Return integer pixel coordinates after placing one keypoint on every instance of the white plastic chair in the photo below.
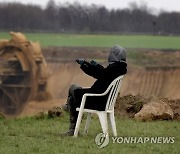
(108, 113)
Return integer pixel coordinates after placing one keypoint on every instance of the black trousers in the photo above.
(73, 104)
(74, 100)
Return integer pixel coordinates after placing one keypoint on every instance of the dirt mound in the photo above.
(175, 105)
(36, 107)
(127, 106)
(155, 110)
(54, 112)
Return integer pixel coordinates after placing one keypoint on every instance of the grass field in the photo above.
(43, 135)
(128, 41)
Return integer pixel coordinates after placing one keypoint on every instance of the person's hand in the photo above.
(80, 61)
(93, 62)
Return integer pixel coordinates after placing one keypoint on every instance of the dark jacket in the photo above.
(104, 77)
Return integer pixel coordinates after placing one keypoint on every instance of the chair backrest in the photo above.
(113, 89)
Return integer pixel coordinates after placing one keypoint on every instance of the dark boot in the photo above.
(71, 105)
(73, 117)
(71, 130)
(72, 126)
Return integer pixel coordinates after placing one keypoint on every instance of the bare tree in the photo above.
(138, 18)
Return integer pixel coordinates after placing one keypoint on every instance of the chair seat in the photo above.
(93, 111)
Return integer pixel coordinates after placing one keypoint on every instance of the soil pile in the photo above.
(127, 106)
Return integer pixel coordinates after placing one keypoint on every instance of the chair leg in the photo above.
(103, 120)
(112, 123)
(88, 120)
(78, 122)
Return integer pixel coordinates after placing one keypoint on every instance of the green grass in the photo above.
(128, 41)
(43, 135)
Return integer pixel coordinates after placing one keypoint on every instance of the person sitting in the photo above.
(117, 66)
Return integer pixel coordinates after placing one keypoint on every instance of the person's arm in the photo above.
(110, 71)
(94, 71)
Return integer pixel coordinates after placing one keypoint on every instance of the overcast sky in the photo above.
(167, 5)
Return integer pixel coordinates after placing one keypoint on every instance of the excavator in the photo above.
(23, 73)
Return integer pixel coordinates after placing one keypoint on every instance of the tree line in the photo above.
(87, 19)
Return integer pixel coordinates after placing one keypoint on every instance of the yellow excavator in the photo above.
(23, 73)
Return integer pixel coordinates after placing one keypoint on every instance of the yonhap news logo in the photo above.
(103, 140)
(143, 140)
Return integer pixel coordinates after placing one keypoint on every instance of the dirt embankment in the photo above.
(149, 72)
(153, 82)
(162, 83)
(159, 76)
